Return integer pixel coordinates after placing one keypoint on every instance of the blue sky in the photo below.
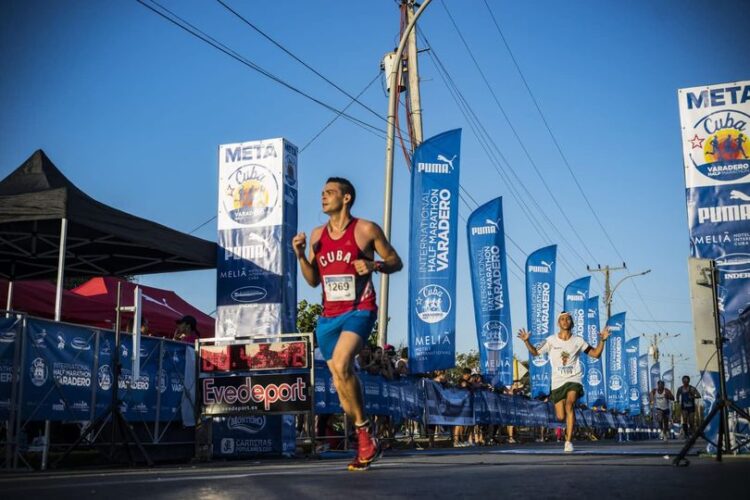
(132, 110)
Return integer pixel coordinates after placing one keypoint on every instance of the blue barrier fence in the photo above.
(428, 401)
(66, 373)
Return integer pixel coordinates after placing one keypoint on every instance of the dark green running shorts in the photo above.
(561, 392)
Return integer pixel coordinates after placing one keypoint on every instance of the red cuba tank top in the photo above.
(343, 289)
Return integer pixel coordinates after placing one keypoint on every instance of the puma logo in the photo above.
(446, 160)
(738, 195)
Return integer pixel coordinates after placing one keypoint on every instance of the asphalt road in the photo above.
(601, 470)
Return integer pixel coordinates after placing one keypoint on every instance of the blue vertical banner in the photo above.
(576, 297)
(594, 385)
(654, 374)
(489, 284)
(616, 370)
(643, 383)
(432, 253)
(540, 313)
(716, 152)
(632, 352)
(256, 287)
(668, 378)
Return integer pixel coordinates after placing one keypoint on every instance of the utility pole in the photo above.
(392, 78)
(672, 358)
(654, 340)
(412, 72)
(606, 270)
(610, 292)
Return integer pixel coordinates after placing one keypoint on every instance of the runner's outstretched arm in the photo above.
(596, 352)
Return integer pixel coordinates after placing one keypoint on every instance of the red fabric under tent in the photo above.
(93, 303)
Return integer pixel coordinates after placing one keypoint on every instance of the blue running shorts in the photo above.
(329, 329)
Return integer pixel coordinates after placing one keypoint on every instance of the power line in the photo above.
(313, 139)
(201, 35)
(513, 129)
(293, 56)
(559, 150)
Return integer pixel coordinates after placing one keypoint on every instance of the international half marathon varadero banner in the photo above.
(655, 374)
(632, 348)
(643, 383)
(617, 387)
(668, 378)
(576, 296)
(489, 282)
(540, 313)
(715, 120)
(256, 289)
(594, 385)
(432, 253)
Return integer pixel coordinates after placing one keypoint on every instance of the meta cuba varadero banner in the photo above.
(632, 351)
(643, 384)
(489, 283)
(594, 386)
(432, 253)
(715, 120)
(256, 288)
(617, 386)
(540, 313)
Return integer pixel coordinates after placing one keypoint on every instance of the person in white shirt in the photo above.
(564, 350)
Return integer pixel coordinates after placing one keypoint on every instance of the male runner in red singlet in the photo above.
(342, 259)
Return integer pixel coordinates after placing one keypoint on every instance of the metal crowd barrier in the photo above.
(56, 372)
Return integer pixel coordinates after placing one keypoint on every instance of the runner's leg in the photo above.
(344, 378)
(570, 415)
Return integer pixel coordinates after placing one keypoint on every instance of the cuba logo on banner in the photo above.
(616, 373)
(595, 387)
(632, 348)
(489, 283)
(540, 317)
(432, 252)
(252, 191)
(716, 138)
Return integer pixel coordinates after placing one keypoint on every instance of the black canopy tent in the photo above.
(49, 227)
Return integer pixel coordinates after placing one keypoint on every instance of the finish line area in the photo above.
(441, 473)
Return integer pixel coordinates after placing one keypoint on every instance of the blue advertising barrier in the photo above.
(428, 401)
(253, 435)
(66, 373)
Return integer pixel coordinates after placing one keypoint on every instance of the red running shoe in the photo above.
(368, 449)
(356, 465)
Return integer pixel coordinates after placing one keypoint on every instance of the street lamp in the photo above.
(609, 293)
(389, 142)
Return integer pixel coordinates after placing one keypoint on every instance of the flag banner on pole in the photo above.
(716, 151)
(632, 348)
(256, 287)
(576, 297)
(540, 313)
(616, 371)
(643, 380)
(668, 378)
(593, 383)
(655, 374)
(489, 283)
(432, 253)
(575, 301)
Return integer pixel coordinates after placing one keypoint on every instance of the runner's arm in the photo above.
(309, 268)
(525, 336)
(391, 262)
(596, 352)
